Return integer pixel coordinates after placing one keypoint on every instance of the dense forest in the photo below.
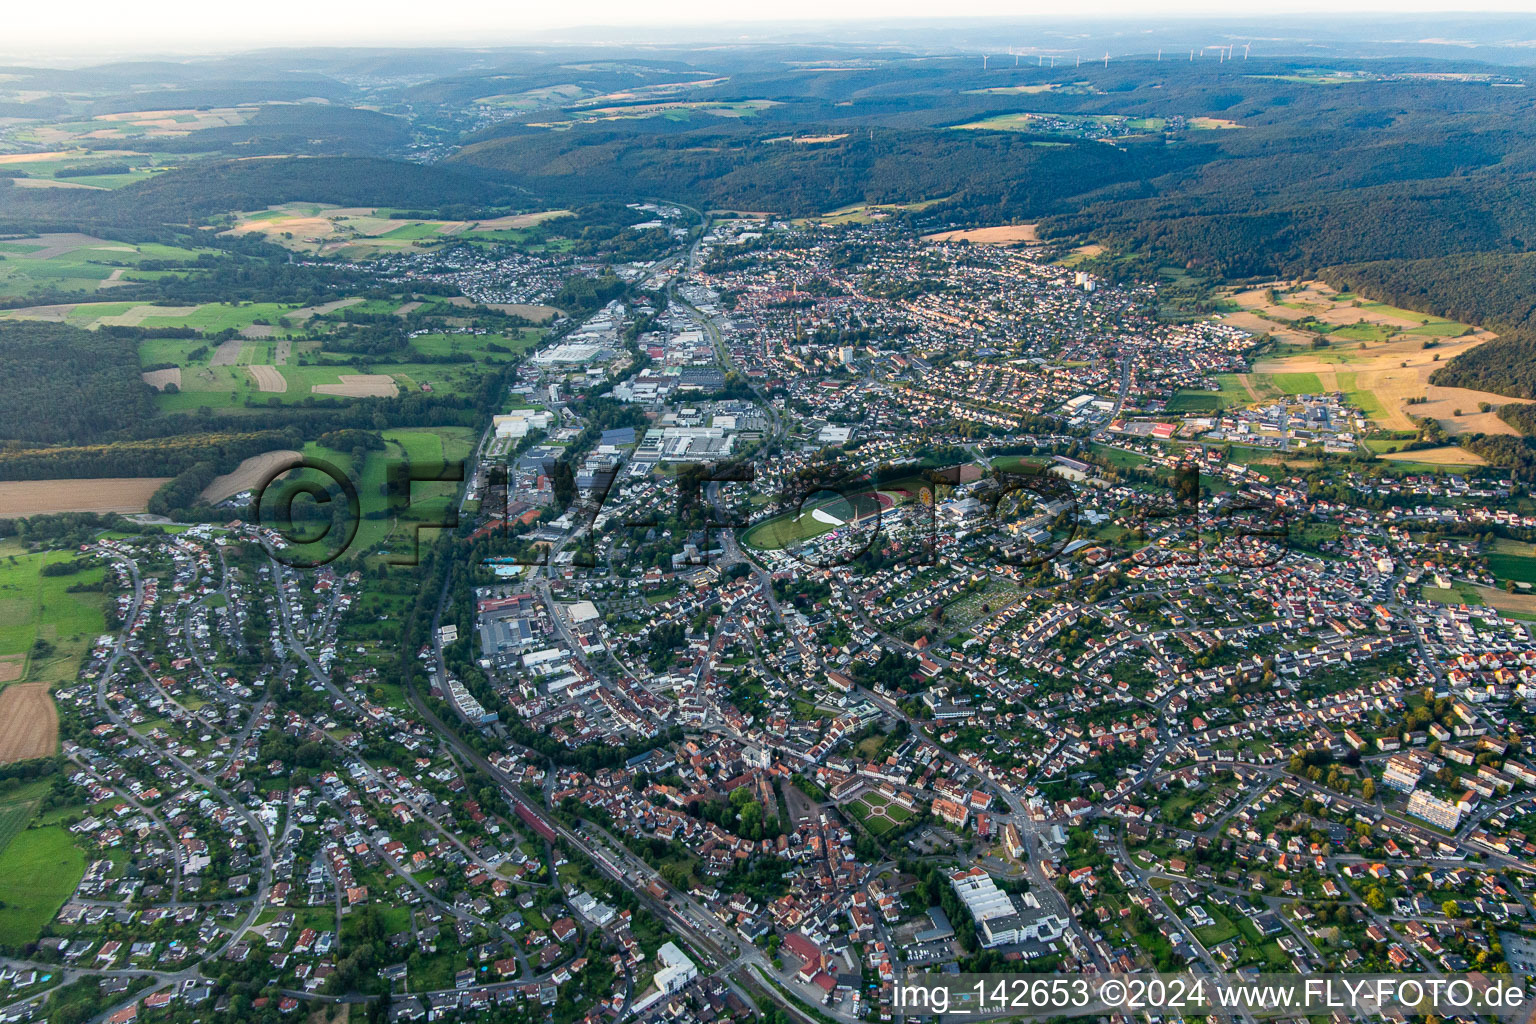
(66, 384)
(739, 167)
(199, 191)
(1493, 290)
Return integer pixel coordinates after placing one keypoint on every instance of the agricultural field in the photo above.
(1513, 560)
(1446, 455)
(676, 110)
(285, 366)
(44, 628)
(29, 723)
(38, 871)
(868, 213)
(1007, 234)
(1378, 356)
(84, 168)
(133, 128)
(361, 232)
(1067, 124)
(1092, 125)
(109, 494)
(75, 262)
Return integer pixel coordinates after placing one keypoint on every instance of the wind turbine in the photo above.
(1106, 58)
(1245, 50)
(983, 62)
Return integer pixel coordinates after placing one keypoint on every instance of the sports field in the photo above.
(817, 516)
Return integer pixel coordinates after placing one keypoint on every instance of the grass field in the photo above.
(35, 607)
(14, 816)
(79, 263)
(877, 814)
(38, 871)
(1297, 383)
(1195, 402)
(1513, 560)
(378, 531)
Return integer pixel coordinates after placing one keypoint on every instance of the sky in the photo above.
(83, 27)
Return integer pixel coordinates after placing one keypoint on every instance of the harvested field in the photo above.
(1380, 365)
(1256, 324)
(360, 385)
(247, 475)
(255, 331)
(268, 378)
(1449, 455)
(284, 350)
(330, 307)
(1003, 235)
(12, 666)
(136, 316)
(538, 314)
(29, 723)
(65, 242)
(101, 494)
(519, 220)
(1506, 602)
(158, 379)
(54, 314)
(32, 158)
(227, 354)
(408, 308)
(53, 183)
(1396, 371)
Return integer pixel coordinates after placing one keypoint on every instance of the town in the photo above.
(831, 603)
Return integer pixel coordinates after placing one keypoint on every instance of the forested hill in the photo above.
(1494, 290)
(66, 384)
(990, 173)
(200, 191)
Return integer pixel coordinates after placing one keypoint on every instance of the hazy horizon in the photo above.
(181, 28)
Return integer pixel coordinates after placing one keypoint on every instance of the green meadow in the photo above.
(39, 869)
(86, 265)
(34, 608)
(425, 448)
